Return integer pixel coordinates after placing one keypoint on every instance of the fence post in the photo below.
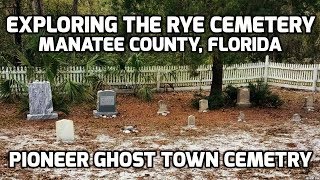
(7, 73)
(266, 66)
(158, 80)
(315, 78)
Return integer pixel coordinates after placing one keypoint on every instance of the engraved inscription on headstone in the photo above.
(40, 101)
(106, 104)
(106, 100)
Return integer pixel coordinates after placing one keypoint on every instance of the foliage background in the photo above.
(296, 48)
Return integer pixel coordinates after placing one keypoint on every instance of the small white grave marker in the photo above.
(203, 105)
(309, 103)
(191, 121)
(65, 130)
(296, 118)
(241, 117)
(163, 109)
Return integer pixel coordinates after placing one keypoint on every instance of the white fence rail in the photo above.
(295, 76)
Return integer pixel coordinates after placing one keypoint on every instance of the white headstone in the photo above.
(309, 103)
(65, 130)
(163, 109)
(203, 105)
(296, 118)
(191, 121)
(241, 117)
(40, 101)
(243, 98)
(106, 104)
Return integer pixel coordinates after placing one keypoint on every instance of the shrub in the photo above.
(11, 90)
(230, 95)
(196, 98)
(216, 101)
(261, 96)
(145, 93)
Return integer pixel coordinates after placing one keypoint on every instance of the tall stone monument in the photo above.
(40, 101)
(106, 104)
(243, 98)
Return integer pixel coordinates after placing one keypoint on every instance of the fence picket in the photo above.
(297, 76)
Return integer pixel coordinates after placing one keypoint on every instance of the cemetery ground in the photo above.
(264, 129)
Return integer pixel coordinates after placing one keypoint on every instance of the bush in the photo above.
(216, 101)
(145, 93)
(196, 98)
(261, 96)
(230, 95)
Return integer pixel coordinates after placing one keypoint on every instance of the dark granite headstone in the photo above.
(106, 104)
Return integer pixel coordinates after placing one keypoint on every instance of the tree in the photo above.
(40, 7)
(75, 7)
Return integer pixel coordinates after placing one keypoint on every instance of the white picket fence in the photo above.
(295, 76)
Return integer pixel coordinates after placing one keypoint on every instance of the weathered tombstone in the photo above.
(40, 101)
(203, 105)
(296, 118)
(106, 104)
(163, 109)
(191, 121)
(241, 117)
(243, 98)
(309, 103)
(65, 130)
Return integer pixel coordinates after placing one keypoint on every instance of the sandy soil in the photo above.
(264, 129)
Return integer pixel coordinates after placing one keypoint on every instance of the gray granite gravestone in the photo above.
(40, 101)
(106, 104)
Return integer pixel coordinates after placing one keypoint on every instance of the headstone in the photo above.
(65, 130)
(296, 118)
(191, 121)
(203, 105)
(241, 117)
(243, 98)
(106, 104)
(40, 101)
(163, 109)
(309, 103)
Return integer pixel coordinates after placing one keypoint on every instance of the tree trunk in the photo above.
(217, 75)
(17, 36)
(40, 7)
(75, 7)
